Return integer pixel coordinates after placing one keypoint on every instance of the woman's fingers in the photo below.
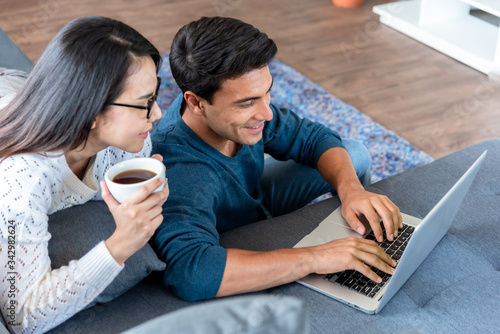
(110, 201)
(157, 157)
(143, 193)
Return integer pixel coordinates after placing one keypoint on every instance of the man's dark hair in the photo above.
(208, 51)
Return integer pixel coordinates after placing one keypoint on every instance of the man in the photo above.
(214, 137)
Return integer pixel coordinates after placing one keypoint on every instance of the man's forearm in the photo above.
(336, 167)
(248, 271)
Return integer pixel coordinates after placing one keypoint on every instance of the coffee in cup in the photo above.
(127, 177)
(133, 176)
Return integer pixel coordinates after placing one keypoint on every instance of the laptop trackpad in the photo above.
(332, 228)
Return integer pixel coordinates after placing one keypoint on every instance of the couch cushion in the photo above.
(73, 237)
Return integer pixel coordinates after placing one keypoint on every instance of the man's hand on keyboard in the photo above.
(359, 202)
(352, 253)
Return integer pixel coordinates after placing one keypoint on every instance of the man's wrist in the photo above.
(307, 261)
(348, 187)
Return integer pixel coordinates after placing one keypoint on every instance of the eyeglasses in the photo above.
(151, 101)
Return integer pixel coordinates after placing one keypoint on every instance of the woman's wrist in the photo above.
(116, 250)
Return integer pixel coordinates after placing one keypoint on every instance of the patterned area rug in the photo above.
(391, 154)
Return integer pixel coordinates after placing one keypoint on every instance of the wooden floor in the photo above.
(435, 102)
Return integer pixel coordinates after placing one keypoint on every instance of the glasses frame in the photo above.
(151, 101)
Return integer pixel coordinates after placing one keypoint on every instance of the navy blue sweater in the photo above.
(212, 193)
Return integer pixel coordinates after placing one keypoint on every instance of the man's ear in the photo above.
(195, 103)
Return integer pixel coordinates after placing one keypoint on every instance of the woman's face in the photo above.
(126, 127)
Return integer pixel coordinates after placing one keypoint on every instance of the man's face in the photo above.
(240, 108)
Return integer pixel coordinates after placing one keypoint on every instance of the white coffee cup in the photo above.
(122, 191)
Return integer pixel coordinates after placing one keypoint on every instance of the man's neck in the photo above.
(224, 146)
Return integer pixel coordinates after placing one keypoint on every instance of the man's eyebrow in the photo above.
(246, 99)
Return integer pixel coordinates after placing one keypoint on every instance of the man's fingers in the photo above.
(391, 217)
(379, 259)
(354, 222)
(370, 254)
(371, 248)
(374, 220)
(368, 272)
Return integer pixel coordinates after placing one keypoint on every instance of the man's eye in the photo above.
(247, 105)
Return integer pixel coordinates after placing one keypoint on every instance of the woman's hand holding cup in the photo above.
(140, 214)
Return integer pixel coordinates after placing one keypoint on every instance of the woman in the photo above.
(89, 102)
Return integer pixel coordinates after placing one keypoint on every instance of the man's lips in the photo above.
(255, 128)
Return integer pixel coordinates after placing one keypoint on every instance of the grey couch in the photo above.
(453, 291)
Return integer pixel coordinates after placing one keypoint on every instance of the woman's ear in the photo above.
(195, 103)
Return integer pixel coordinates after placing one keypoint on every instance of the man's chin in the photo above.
(251, 141)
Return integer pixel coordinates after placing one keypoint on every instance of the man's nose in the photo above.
(265, 112)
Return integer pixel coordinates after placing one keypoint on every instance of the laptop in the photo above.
(417, 239)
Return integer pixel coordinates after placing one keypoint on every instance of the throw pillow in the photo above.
(248, 314)
(78, 229)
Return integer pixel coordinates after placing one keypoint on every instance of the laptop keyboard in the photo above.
(356, 281)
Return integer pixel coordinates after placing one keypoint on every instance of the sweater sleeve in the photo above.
(33, 297)
(288, 136)
(188, 240)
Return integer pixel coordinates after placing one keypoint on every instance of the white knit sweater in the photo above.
(32, 187)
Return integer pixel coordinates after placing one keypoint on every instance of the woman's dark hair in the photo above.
(206, 52)
(81, 71)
